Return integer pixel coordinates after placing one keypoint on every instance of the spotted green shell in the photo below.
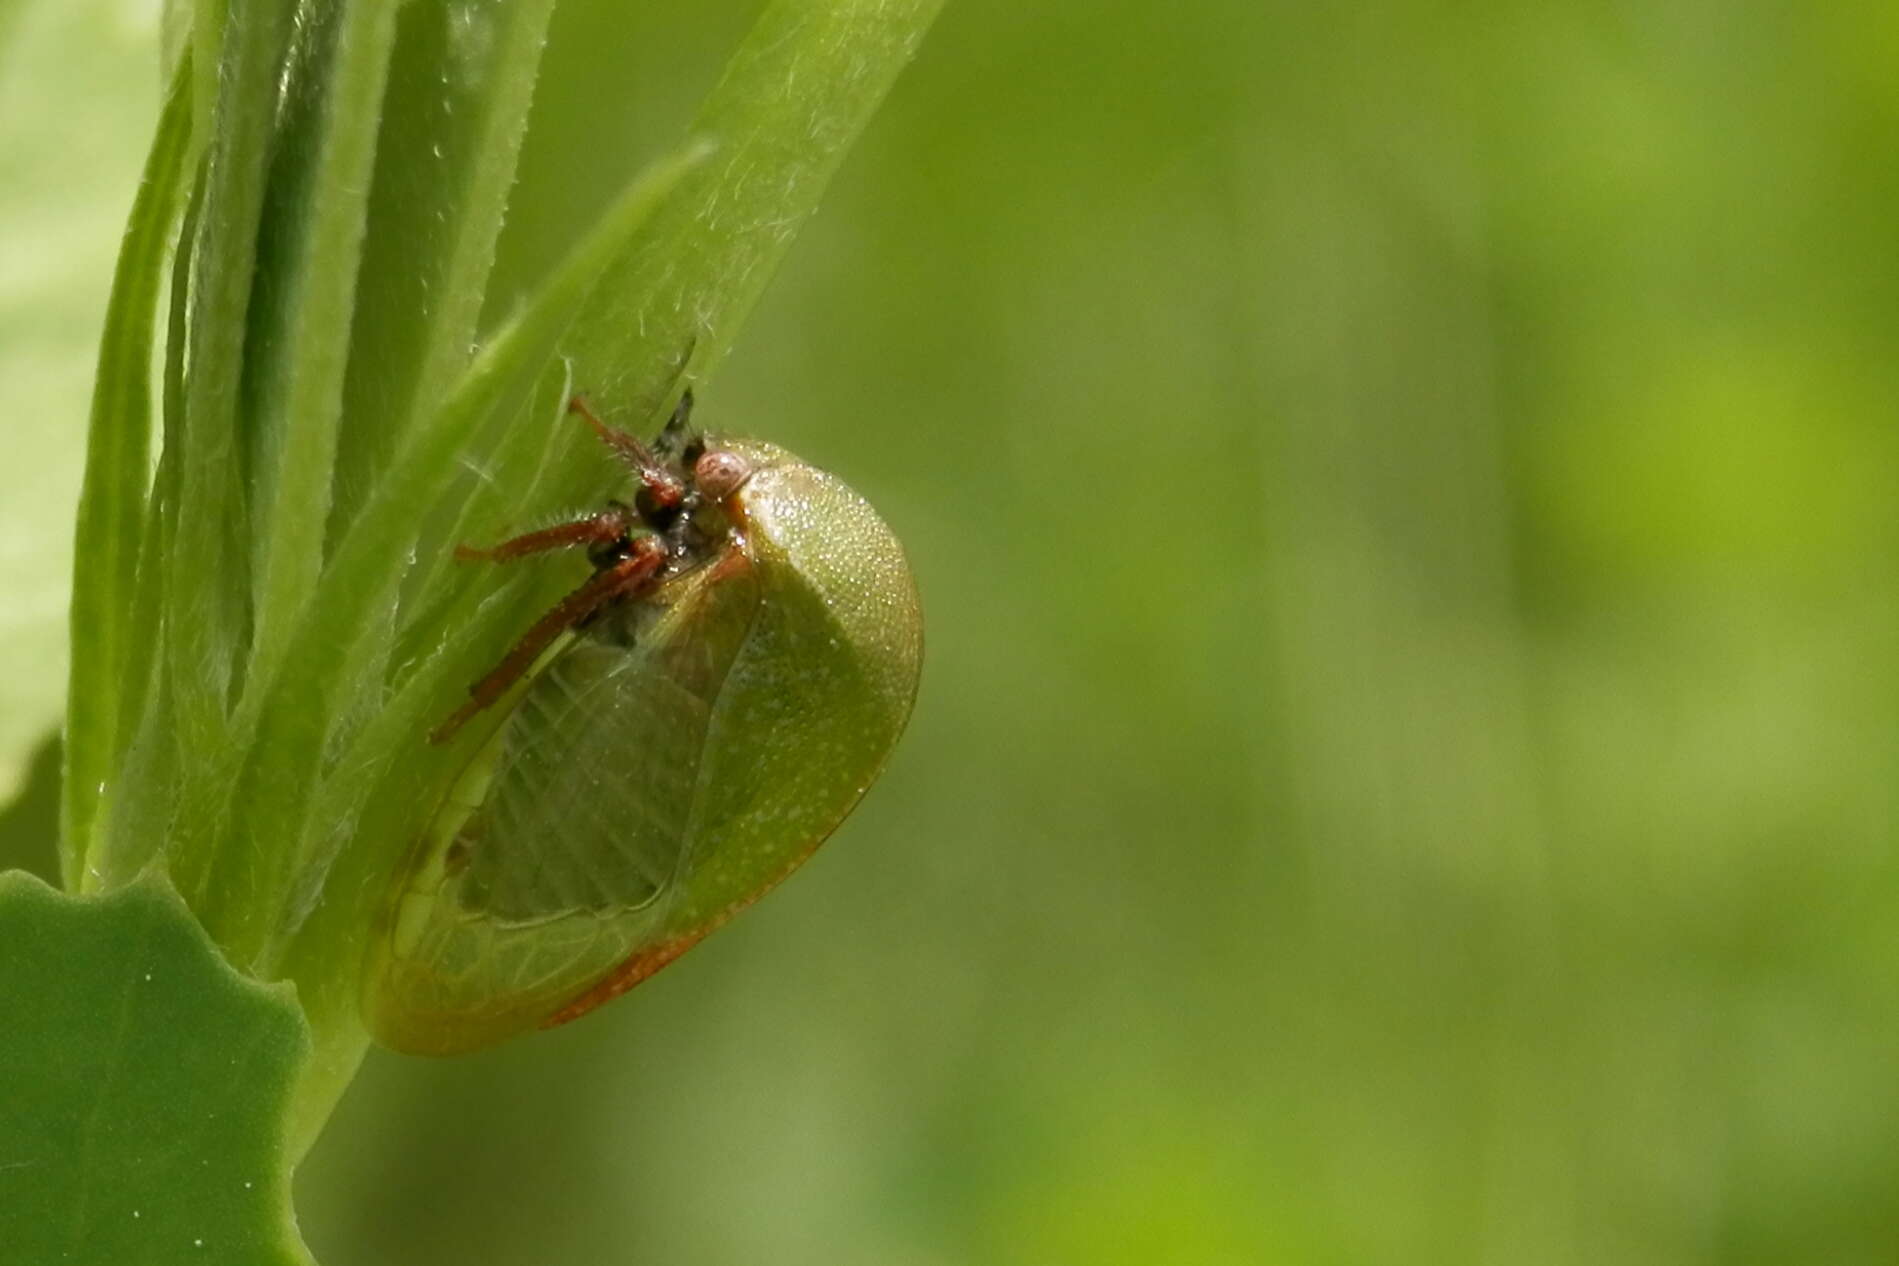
(656, 771)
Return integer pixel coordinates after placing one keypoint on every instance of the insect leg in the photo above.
(600, 529)
(661, 484)
(622, 578)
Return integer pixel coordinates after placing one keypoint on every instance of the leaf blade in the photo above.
(147, 1086)
(798, 92)
(206, 593)
(302, 392)
(112, 500)
(453, 119)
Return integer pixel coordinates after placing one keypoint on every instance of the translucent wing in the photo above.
(589, 810)
(563, 845)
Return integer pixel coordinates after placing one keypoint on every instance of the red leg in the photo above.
(664, 487)
(624, 577)
(601, 529)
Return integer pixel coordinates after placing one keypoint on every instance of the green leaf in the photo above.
(146, 1085)
(112, 500)
(309, 240)
(452, 123)
(310, 248)
(206, 579)
(795, 96)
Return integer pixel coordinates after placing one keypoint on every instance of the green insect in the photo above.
(660, 749)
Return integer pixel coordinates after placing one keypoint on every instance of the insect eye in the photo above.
(720, 473)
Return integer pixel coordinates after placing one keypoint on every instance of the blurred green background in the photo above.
(1402, 494)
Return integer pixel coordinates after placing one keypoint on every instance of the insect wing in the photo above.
(590, 811)
(809, 712)
(565, 845)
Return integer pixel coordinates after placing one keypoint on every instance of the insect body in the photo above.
(664, 746)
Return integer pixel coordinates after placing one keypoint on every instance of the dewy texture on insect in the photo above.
(660, 750)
